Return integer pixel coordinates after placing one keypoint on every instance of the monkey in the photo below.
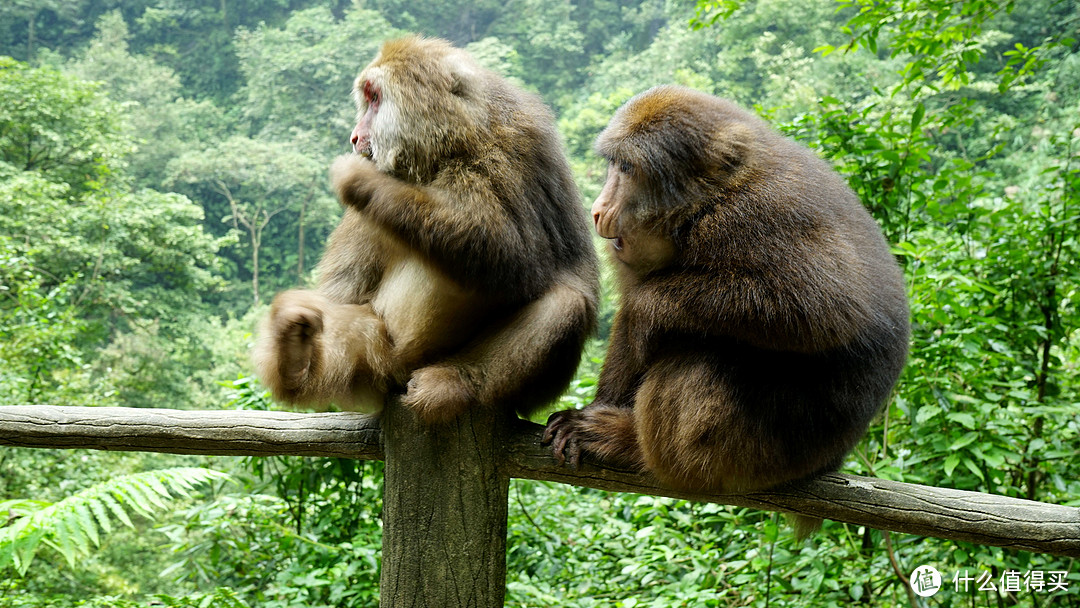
(762, 322)
(462, 273)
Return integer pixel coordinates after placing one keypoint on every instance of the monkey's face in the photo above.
(642, 245)
(616, 197)
(417, 103)
(370, 97)
(681, 145)
(377, 135)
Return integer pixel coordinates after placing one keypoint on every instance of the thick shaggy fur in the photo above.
(763, 320)
(463, 267)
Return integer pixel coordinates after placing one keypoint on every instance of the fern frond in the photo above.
(74, 525)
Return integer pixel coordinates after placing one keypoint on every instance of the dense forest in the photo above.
(163, 173)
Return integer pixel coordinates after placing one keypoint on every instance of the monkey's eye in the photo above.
(371, 94)
(625, 167)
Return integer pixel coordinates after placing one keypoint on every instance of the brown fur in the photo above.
(462, 271)
(763, 320)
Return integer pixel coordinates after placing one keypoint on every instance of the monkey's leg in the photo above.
(525, 363)
(698, 432)
(623, 368)
(314, 352)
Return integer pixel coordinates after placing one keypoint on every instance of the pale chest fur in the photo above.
(425, 311)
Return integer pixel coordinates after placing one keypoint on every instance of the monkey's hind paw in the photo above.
(296, 321)
(438, 394)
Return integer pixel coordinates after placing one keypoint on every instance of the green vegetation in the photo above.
(163, 174)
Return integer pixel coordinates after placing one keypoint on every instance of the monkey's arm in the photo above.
(605, 427)
(459, 223)
(776, 312)
(623, 369)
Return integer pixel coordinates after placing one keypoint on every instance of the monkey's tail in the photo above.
(803, 525)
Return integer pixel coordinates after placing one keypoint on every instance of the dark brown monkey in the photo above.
(763, 321)
(462, 270)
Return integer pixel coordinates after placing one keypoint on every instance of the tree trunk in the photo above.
(30, 37)
(444, 511)
(300, 246)
(256, 241)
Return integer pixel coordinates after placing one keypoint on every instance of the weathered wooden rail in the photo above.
(445, 502)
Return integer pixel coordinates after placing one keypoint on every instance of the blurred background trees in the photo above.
(163, 174)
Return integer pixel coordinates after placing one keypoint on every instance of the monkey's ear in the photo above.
(462, 77)
(730, 146)
(458, 87)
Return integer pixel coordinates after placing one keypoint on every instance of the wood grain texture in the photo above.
(444, 511)
(223, 433)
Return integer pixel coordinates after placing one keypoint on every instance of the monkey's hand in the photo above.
(354, 179)
(295, 327)
(438, 393)
(604, 431)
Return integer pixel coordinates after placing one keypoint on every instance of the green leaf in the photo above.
(71, 526)
(974, 468)
(963, 418)
(966, 440)
(927, 412)
(951, 461)
(86, 523)
(917, 116)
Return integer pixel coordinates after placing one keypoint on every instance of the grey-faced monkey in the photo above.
(463, 269)
(763, 321)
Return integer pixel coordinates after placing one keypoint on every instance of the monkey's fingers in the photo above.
(562, 434)
(552, 428)
(558, 447)
(573, 449)
(567, 448)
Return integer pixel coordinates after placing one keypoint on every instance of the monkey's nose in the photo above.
(354, 139)
(596, 219)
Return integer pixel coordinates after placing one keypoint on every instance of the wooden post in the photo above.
(444, 511)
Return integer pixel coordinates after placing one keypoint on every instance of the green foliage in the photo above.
(306, 532)
(219, 598)
(38, 326)
(941, 39)
(50, 124)
(75, 524)
(247, 183)
(710, 12)
(156, 115)
(299, 77)
(89, 256)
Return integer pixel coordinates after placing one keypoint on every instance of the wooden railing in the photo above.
(445, 502)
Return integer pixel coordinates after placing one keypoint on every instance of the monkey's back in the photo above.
(534, 177)
(819, 331)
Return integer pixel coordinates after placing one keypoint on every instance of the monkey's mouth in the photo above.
(365, 150)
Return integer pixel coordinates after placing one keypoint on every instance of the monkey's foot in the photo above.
(603, 431)
(438, 394)
(296, 319)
